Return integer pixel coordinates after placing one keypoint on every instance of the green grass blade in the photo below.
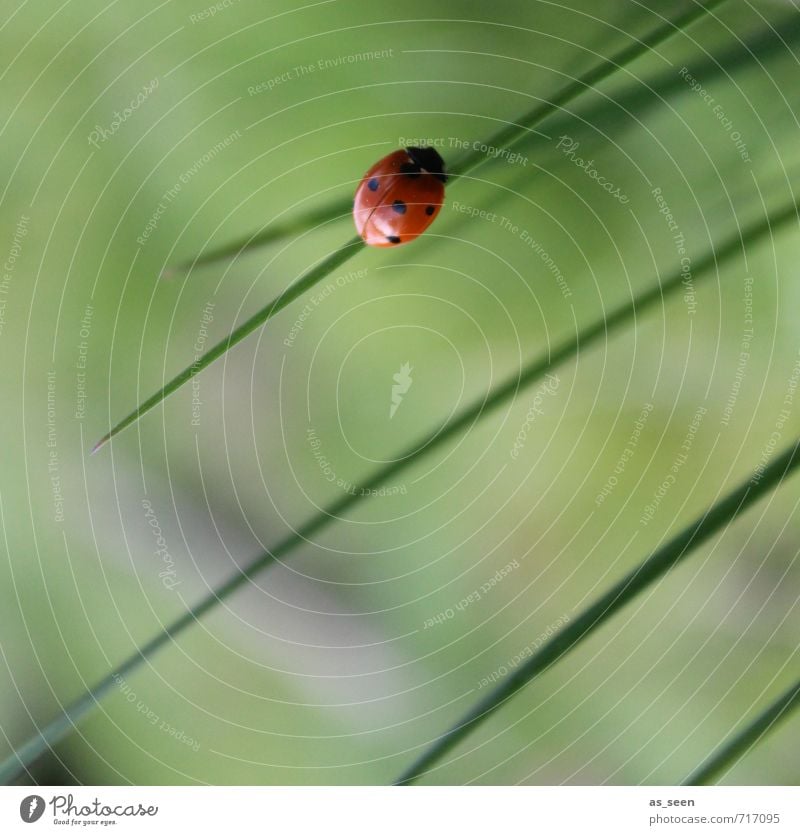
(739, 744)
(512, 134)
(506, 137)
(707, 68)
(60, 727)
(765, 44)
(341, 207)
(304, 283)
(673, 552)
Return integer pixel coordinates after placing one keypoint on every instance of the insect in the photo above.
(399, 197)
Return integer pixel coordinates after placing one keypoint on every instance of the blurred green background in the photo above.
(323, 670)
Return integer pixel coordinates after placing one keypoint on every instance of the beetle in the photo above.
(400, 196)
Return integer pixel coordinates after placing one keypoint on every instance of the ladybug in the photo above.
(399, 197)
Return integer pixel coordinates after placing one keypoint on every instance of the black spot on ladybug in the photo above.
(393, 239)
(410, 170)
(429, 210)
(372, 185)
(399, 206)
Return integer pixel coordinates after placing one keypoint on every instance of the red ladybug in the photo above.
(399, 197)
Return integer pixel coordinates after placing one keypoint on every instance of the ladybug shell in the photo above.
(398, 198)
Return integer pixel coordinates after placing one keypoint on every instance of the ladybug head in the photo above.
(428, 160)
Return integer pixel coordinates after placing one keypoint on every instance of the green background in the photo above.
(322, 670)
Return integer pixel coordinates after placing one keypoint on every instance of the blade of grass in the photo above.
(56, 730)
(707, 68)
(510, 135)
(739, 744)
(60, 727)
(506, 137)
(774, 41)
(661, 561)
(304, 283)
(340, 207)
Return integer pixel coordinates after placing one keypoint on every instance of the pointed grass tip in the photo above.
(101, 443)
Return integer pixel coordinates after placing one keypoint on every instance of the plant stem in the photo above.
(738, 745)
(707, 68)
(306, 220)
(58, 728)
(306, 282)
(513, 133)
(677, 549)
(507, 137)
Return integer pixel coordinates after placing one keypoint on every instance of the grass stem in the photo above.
(676, 550)
(739, 744)
(58, 728)
(507, 137)
(306, 282)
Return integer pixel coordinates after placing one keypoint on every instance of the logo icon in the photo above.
(31, 808)
(403, 383)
